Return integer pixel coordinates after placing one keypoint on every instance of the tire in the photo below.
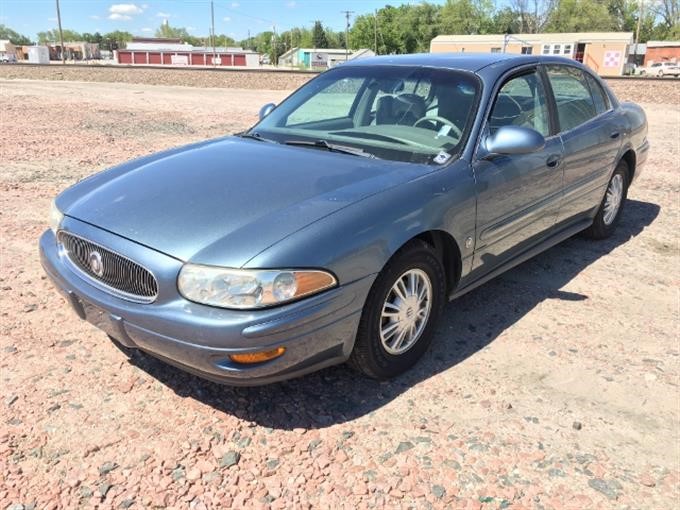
(604, 223)
(383, 356)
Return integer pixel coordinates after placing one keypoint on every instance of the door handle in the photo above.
(614, 134)
(553, 161)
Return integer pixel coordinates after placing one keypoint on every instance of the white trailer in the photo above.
(38, 55)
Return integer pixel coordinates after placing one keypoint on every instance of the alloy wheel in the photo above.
(613, 199)
(405, 311)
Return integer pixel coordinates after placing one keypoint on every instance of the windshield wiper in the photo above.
(331, 147)
(254, 136)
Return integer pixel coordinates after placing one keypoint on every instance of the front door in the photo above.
(518, 196)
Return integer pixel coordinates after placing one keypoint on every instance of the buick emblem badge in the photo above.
(96, 264)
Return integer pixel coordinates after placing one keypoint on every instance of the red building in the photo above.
(173, 52)
(662, 51)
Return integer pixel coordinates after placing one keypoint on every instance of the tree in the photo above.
(668, 12)
(115, 40)
(169, 32)
(14, 37)
(580, 16)
(52, 36)
(533, 14)
(466, 17)
(507, 21)
(319, 39)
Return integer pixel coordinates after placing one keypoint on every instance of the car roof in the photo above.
(472, 62)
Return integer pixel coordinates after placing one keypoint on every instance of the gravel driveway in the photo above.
(553, 386)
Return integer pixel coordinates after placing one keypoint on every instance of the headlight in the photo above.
(55, 217)
(244, 289)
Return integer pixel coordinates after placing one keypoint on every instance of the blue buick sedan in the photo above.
(336, 229)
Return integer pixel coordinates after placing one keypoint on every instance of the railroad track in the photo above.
(260, 70)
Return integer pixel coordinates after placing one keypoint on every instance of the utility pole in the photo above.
(274, 47)
(375, 31)
(641, 12)
(61, 35)
(347, 15)
(212, 18)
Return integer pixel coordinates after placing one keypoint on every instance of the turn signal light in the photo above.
(257, 357)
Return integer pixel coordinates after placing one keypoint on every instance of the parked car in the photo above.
(661, 69)
(337, 227)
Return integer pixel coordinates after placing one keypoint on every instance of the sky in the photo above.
(232, 17)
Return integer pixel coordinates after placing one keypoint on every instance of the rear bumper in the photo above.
(316, 332)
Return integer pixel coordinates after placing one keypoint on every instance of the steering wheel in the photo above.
(441, 120)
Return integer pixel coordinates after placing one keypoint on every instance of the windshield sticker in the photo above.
(441, 158)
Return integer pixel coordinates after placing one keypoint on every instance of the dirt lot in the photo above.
(554, 386)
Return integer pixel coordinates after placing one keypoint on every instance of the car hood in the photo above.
(222, 202)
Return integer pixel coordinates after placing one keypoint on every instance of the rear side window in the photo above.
(599, 96)
(575, 105)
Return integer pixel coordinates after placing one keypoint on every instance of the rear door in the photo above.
(517, 195)
(591, 132)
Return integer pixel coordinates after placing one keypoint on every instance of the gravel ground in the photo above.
(553, 386)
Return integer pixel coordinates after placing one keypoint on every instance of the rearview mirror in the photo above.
(514, 140)
(266, 110)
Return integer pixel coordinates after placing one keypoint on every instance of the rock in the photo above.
(85, 492)
(178, 474)
(647, 480)
(313, 444)
(438, 491)
(11, 349)
(107, 467)
(610, 488)
(11, 399)
(126, 503)
(231, 458)
(577, 425)
(104, 489)
(193, 474)
(404, 446)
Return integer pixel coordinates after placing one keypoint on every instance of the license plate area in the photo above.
(107, 322)
(101, 318)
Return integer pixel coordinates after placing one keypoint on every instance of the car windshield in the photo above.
(400, 113)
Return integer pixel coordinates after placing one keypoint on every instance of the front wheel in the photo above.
(400, 314)
(609, 213)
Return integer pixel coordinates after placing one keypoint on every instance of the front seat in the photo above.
(404, 109)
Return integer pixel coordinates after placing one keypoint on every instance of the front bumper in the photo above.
(317, 332)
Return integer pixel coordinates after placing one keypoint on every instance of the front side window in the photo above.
(527, 50)
(572, 96)
(401, 113)
(521, 102)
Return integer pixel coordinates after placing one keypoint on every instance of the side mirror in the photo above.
(514, 140)
(266, 110)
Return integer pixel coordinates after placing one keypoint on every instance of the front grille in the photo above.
(119, 274)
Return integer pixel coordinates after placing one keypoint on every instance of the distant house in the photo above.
(7, 51)
(320, 58)
(606, 53)
(75, 50)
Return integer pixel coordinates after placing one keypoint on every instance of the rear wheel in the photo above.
(611, 208)
(400, 314)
